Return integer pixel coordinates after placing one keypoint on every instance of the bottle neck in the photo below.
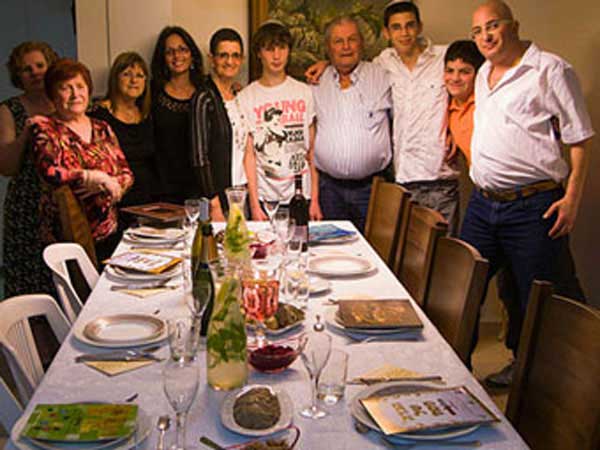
(298, 183)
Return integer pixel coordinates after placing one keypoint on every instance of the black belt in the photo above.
(351, 182)
(509, 195)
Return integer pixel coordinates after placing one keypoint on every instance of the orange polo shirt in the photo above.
(460, 124)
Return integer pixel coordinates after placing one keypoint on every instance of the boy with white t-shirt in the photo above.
(280, 113)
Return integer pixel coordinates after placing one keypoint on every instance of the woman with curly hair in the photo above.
(176, 76)
(25, 271)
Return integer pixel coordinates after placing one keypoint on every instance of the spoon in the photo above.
(163, 424)
(319, 325)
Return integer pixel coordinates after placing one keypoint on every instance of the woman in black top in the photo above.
(219, 131)
(126, 108)
(176, 76)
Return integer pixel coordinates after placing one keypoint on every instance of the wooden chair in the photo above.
(73, 222)
(456, 286)
(56, 257)
(384, 227)
(16, 338)
(554, 402)
(10, 408)
(413, 261)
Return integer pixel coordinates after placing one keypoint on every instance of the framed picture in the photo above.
(307, 20)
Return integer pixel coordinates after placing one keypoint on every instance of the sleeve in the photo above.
(568, 104)
(122, 171)
(200, 128)
(52, 155)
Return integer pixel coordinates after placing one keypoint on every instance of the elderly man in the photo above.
(520, 213)
(352, 143)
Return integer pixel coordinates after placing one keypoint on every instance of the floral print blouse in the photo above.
(61, 156)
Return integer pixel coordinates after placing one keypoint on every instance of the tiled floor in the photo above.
(490, 356)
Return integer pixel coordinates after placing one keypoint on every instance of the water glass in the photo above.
(332, 382)
(184, 337)
(314, 356)
(297, 284)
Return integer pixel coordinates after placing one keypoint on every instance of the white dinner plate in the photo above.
(164, 234)
(122, 330)
(318, 285)
(340, 265)
(150, 242)
(285, 418)
(143, 429)
(122, 275)
(332, 319)
(361, 415)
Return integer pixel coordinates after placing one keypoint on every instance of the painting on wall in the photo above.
(307, 20)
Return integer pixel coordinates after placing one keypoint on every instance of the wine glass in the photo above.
(180, 383)
(285, 227)
(192, 209)
(314, 355)
(260, 292)
(271, 207)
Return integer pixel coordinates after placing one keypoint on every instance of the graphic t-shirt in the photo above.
(279, 118)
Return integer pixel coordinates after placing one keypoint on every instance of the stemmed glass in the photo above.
(271, 207)
(192, 209)
(180, 383)
(314, 355)
(285, 228)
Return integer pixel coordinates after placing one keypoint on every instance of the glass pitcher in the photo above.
(235, 244)
(226, 363)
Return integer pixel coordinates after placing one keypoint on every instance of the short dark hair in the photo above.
(158, 67)
(224, 34)
(123, 62)
(465, 50)
(15, 60)
(268, 34)
(400, 7)
(62, 70)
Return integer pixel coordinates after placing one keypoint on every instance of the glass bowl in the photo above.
(276, 356)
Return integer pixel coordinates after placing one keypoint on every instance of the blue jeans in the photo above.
(514, 234)
(344, 199)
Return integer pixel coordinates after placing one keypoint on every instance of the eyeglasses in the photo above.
(490, 27)
(133, 75)
(224, 55)
(174, 51)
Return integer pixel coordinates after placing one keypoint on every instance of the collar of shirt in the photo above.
(354, 75)
(454, 106)
(429, 51)
(530, 59)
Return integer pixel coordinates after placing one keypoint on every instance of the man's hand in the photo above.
(314, 211)
(258, 213)
(451, 149)
(566, 212)
(314, 72)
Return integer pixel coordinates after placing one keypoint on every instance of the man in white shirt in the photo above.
(352, 103)
(519, 212)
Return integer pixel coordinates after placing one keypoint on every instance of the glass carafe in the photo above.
(226, 339)
(235, 244)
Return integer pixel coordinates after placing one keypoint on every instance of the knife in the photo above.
(368, 381)
(118, 355)
(153, 285)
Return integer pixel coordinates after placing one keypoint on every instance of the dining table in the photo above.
(428, 353)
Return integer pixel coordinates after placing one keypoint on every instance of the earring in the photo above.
(192, 66)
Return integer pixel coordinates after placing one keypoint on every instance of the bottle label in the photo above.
(301, 233)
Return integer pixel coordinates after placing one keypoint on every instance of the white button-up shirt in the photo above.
(353, 131)
(420, 115)
(513, 141)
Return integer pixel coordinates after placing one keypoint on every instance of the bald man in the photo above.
(527, 100)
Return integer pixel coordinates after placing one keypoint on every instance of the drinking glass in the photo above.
(192, 209)
(180, 383)
(314, 356)
(332, 382)
(184, 337)
(260, 292)
(271, 207)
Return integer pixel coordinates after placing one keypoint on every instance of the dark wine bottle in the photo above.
(299, 212)
(204, 250)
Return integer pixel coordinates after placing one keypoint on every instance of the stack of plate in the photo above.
(361, 415)
(340, 264)
(154, 237)
(121, 275)
(122, 330)
(334, 321)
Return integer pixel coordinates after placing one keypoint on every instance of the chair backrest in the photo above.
(412, 266)
(16, 338)
(73, 222)
(554, 402)
(456, 287)
(56, 257)
(384, 225)
(10, 408)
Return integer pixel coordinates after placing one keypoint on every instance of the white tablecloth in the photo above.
(66, 381)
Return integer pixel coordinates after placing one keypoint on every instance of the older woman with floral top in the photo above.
(74, 149)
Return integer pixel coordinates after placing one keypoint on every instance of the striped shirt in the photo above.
(353, 130)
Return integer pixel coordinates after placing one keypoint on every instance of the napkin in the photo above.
(112, 368)
(324, 232)
(389, 372)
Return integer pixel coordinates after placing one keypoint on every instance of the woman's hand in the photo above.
(258, 213)
(96, 181)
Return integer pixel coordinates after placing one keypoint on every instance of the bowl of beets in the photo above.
(274, 357)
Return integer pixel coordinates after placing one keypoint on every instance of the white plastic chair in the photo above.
(10, 408)
(56, 256)
(16, 339)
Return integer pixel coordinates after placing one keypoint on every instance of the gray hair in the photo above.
(338, 21)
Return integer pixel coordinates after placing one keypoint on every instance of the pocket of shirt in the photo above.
(374, 117)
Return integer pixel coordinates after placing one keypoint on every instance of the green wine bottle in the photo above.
(204, 250)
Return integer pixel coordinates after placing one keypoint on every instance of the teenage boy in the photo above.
(280, 113)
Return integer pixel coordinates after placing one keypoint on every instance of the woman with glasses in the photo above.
(219, 131)
(126, 108)
(176, 76)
